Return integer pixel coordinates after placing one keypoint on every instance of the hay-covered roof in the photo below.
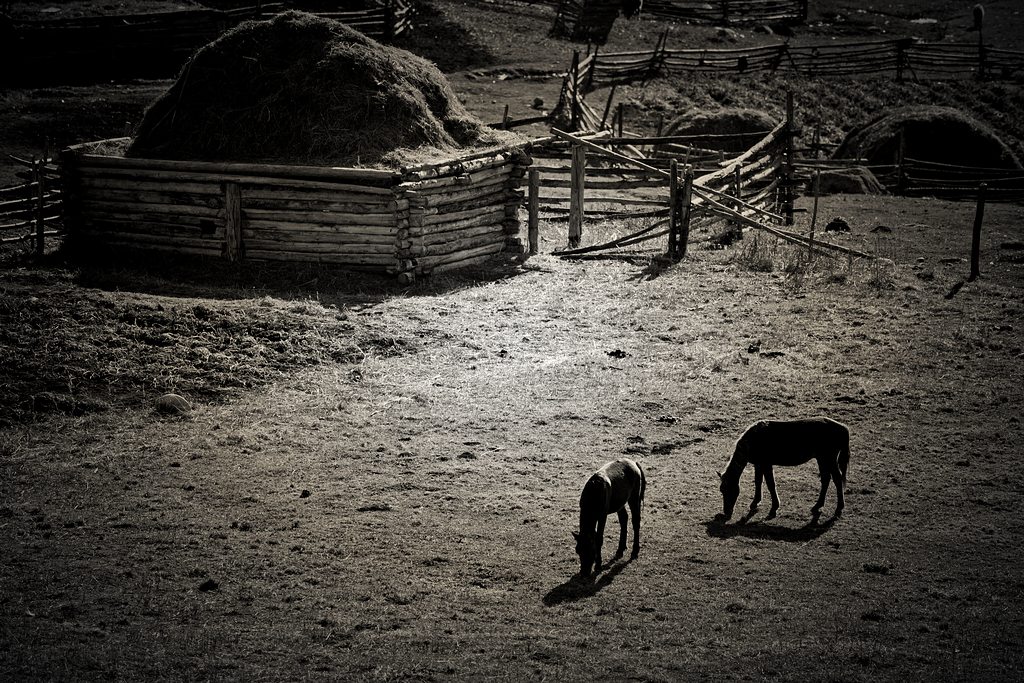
(303, 89)
(938, 134)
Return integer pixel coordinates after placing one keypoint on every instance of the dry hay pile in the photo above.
(752, 125)
(937, 134)
(303, 89)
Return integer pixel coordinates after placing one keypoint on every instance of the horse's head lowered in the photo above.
(730, 489)
(586, 548)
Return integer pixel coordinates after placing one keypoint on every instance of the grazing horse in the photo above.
(609, 490)
(769, 442)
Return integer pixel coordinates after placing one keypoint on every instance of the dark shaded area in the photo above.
(747, 125)
(926, 133)
(718, 528)
(446, 43)
(578, 587)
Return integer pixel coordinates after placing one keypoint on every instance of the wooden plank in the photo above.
(246, 181)
(298, 171)
(255, 224)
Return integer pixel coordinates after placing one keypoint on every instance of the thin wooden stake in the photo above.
(979, 214)
(574, 104)
(814, 214)
(673, 212)
(687, 202)
(790, 174)
(533, 224)
(577, 182)
(40, 178)
(504, 119)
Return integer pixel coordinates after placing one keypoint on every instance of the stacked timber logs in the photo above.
(405, 223)
(464, 212)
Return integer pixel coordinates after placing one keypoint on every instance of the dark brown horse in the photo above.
(609, 490)
(769, 442)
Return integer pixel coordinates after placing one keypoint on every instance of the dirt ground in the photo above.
(379, 482)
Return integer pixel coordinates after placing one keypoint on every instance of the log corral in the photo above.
(407, 222)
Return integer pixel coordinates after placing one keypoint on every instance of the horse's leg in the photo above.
(837, 477)
(825, 472)
(634, 506)
(758, 477)
(598, 542)
(623, 519)
(769, 478)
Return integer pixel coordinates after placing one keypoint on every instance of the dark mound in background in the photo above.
(302, 89)
(751, 123)
(938, 134)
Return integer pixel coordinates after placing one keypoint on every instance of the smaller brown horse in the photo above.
(772, 442)
(609, 490)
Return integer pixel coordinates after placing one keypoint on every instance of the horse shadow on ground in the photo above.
(717, 528)
(578, 587)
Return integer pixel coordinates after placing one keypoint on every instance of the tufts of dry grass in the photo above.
(75, 351)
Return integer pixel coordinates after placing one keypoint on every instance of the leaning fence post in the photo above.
(576, 183)
(979, 214)
(533, 224)
(608, 106)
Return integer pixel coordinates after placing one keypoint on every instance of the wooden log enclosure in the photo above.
(406, 223)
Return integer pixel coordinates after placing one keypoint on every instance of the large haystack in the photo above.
(302, 89)
(748, 125)
(937, 134)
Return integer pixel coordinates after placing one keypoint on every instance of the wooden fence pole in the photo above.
(504, 119)
(673, 211)
(687, 201)
(790, 133)
(979, 214)
(533, 224)
(621, 116)
(232, 222)
(576, 185)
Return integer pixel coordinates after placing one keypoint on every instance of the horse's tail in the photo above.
(844, 455)
(643, 483)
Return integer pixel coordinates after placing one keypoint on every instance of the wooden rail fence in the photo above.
(601, 179)
(903, 58)
(33, 210)
(725, 12)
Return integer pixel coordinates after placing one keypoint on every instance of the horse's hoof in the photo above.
(772, 513)
(633, 556)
